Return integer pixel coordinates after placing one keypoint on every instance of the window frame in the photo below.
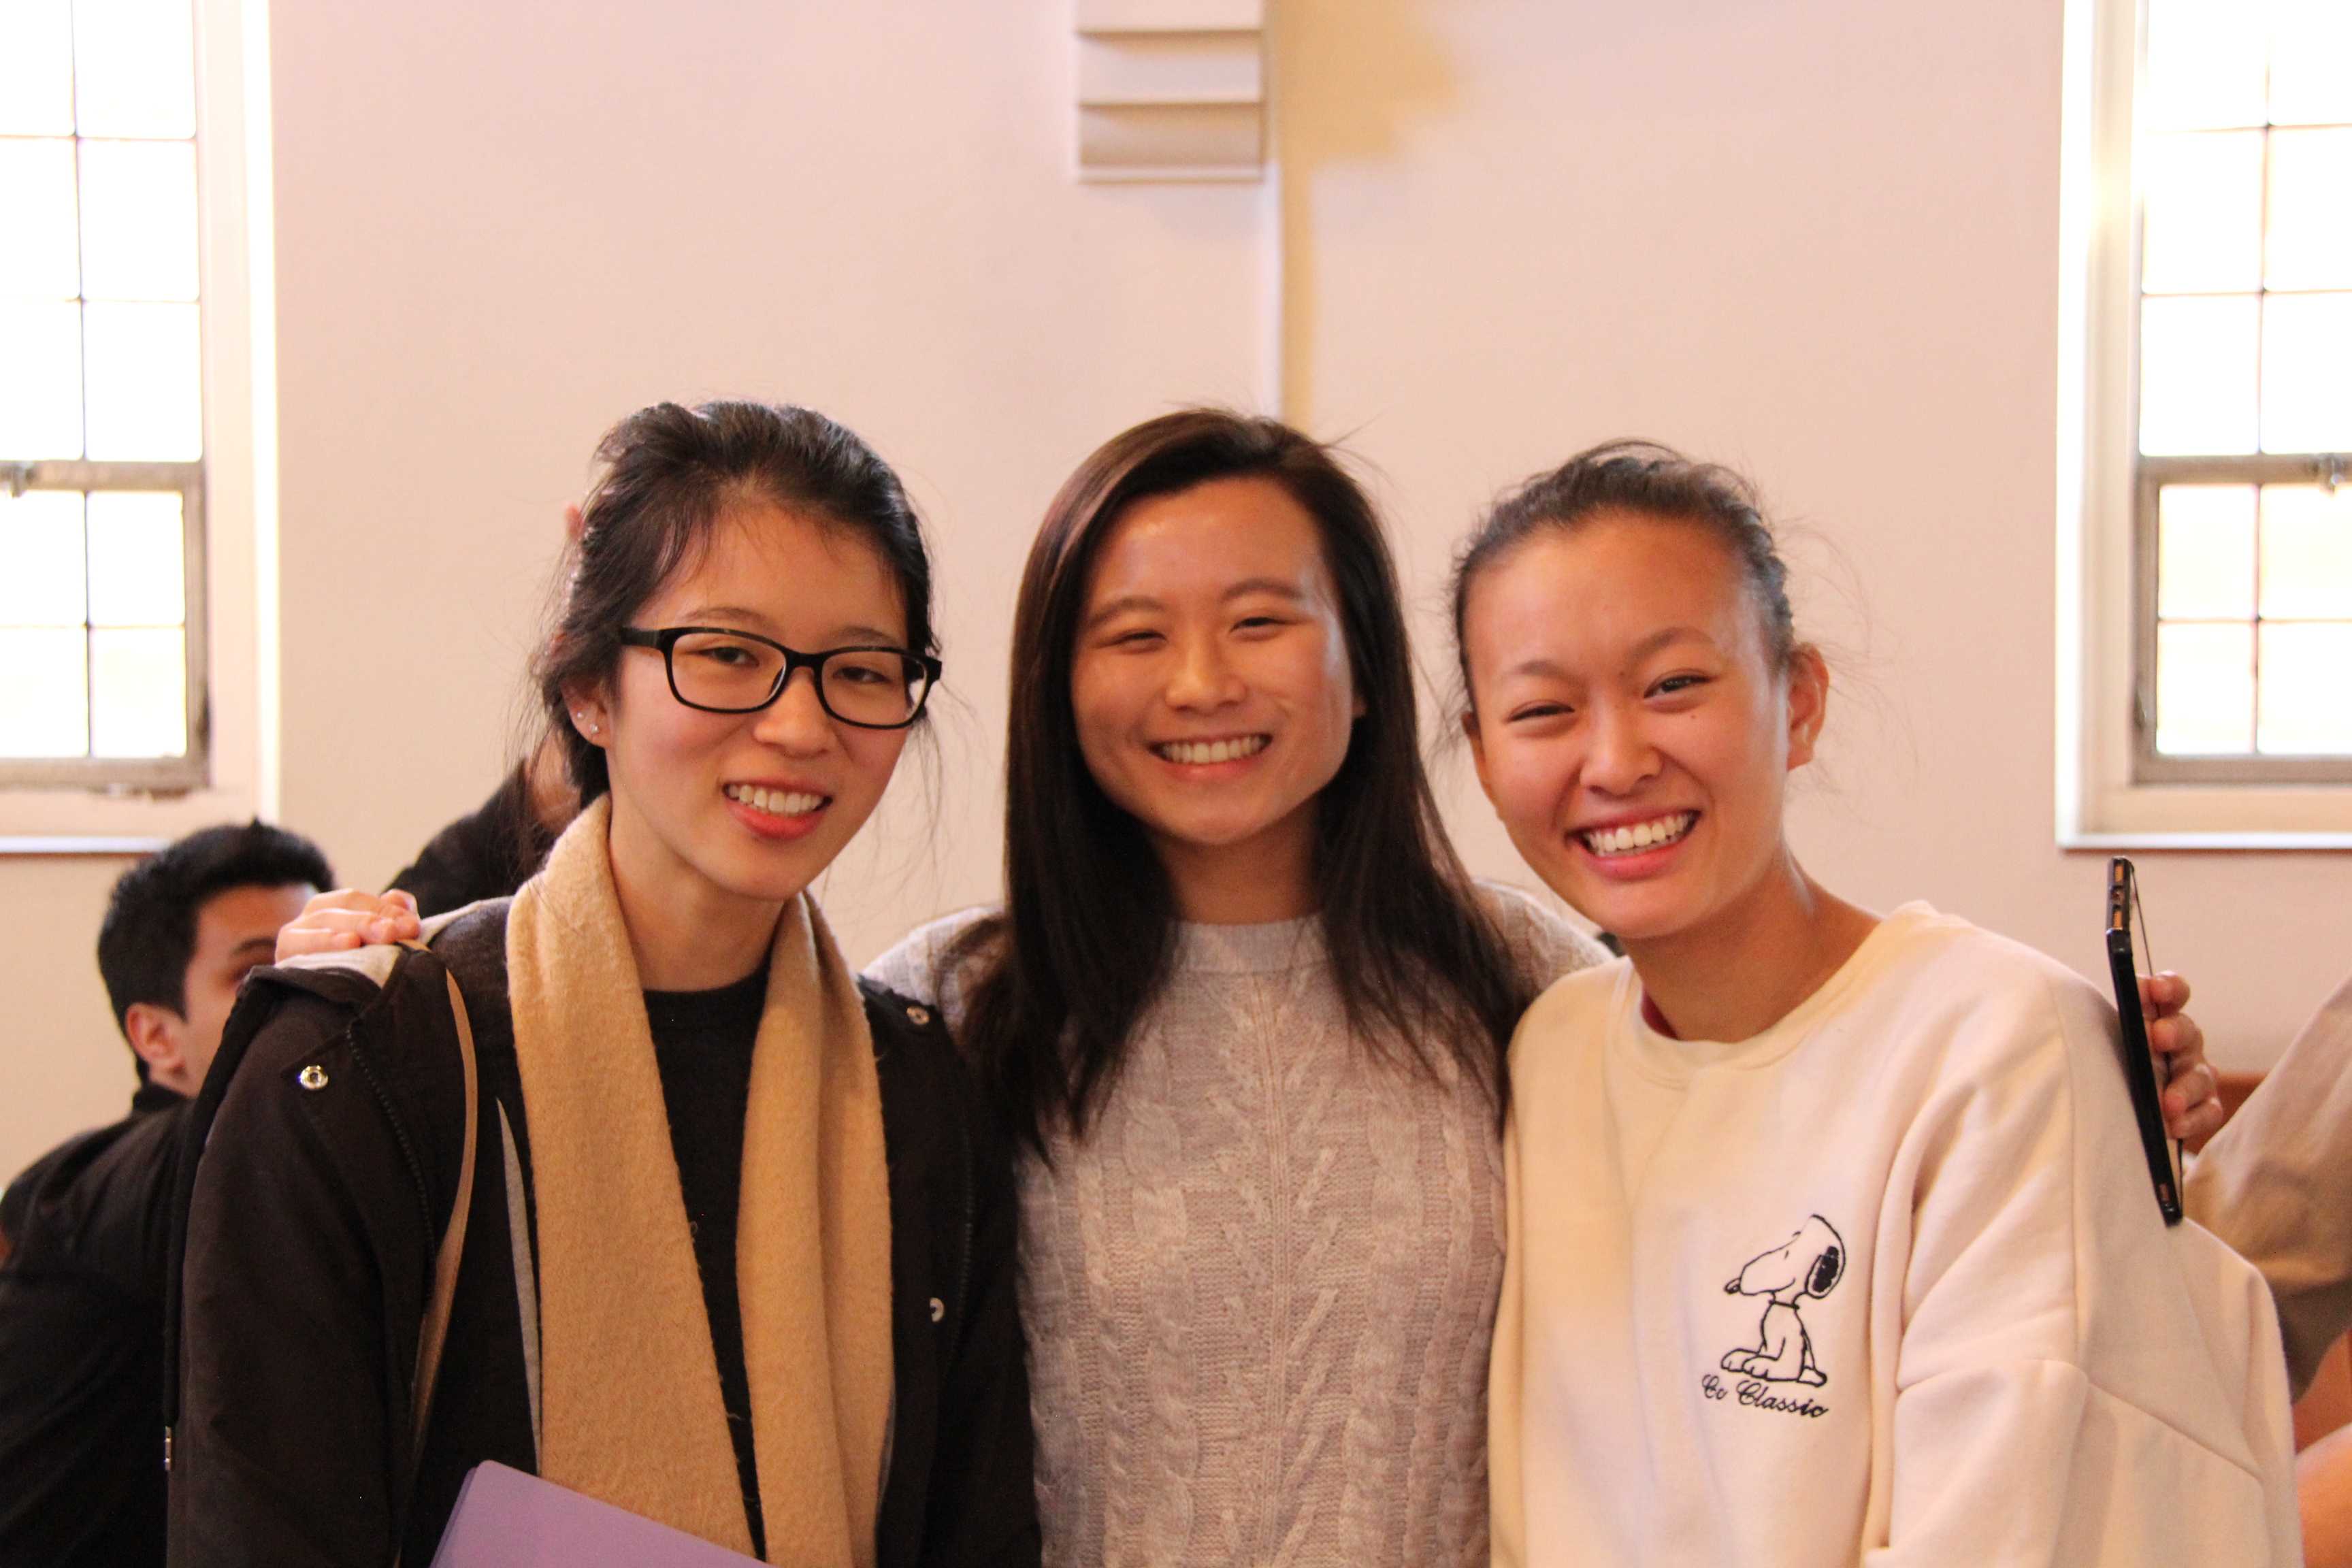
(2112, 790)
(2152, 474)
(191, 769)
(118, 806)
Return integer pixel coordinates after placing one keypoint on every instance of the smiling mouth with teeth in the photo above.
(1194, 753)
(1632, 838)
(775, 803)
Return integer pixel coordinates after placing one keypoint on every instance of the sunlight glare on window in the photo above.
(139, 220)
(41, 559)
(2205, 552)
(2207, 69)
(44, 693)
(40, 379)
(37, 193)
(139, 693)
(2196, 374)
(135, 559)
(2311, 62)
(2306, 373)
(2308, 559)
(2309, 242)
(2304, 710)
(36, 68)
(134, 67)
(2204, 204)
(145, 381)
(2204, 688)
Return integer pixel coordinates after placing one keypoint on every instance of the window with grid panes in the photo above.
(2242, 499)
(101, 427)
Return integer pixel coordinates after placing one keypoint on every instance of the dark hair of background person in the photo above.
(1062, 978)
(1648, 480)
(149, 934)
(669, 475)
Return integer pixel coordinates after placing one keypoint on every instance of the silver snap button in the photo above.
(939, 1310)
(918, 1017)
(313, 1077)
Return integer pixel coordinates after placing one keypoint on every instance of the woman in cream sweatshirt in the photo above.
(1830, 1241)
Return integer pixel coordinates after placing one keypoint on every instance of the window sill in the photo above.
(63, 844)
(2233, 841)
(2269, 818)
(84, 822)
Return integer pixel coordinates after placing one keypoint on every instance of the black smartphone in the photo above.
(2139, 1063)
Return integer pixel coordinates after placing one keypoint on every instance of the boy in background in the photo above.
(88, 1225)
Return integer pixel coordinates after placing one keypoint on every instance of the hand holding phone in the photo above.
(2139, 1066)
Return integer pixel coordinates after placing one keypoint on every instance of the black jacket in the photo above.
(81, 1345)
(335, 1119)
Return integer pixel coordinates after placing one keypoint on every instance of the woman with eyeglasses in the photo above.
(738, 1245)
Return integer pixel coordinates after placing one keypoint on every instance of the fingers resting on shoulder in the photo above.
(347, 918)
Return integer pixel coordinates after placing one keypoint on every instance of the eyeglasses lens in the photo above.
(873, 686)
(876, 686)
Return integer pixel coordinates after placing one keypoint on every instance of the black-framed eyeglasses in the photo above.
(719, 670)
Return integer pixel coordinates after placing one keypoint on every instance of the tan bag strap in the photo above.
(434, 1330)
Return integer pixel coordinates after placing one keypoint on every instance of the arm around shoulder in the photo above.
(931, 963)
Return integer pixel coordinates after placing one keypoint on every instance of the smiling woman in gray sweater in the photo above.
(1246, 1014)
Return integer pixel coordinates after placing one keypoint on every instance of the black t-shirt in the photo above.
(702, 1045)
(81, 1345)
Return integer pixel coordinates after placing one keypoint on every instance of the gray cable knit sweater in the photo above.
(1258, 1296)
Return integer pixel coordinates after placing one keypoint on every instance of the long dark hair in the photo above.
(1061, 979)
(668, 475)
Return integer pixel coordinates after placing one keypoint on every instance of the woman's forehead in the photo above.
(1607, 584)
(772, 564)
(1213, 538)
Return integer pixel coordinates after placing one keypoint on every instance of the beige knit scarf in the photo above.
(631, 1409)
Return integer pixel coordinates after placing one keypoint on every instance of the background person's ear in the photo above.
(156, 1034)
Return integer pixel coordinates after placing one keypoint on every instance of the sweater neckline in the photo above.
(1664, 1057)
(1265, 949)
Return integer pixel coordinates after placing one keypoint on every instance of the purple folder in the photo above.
(505, 1519)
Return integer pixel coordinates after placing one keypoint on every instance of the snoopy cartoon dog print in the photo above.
(1809, 1263)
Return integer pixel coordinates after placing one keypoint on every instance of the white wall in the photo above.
(1818, 239)
(1815, 237)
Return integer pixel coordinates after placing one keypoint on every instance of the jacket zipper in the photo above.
(399, 1133)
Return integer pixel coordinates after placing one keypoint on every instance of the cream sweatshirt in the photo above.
(1886, 1284)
